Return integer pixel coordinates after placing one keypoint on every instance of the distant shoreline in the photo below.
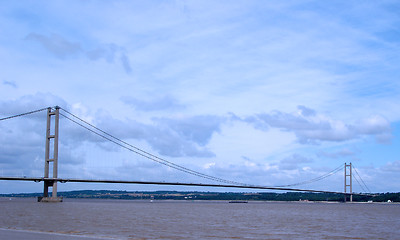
(226, 196)
(33, 199)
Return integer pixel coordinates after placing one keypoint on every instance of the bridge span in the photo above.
(51, 178)
(75, 180)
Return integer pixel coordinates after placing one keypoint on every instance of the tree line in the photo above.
(238, 196)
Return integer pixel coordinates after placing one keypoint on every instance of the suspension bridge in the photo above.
(50, 177)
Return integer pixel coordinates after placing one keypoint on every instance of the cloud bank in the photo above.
(312, 128)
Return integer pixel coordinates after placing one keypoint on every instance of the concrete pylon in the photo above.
(51, 157)
(348, 181)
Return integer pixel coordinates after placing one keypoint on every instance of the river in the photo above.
(24, 218)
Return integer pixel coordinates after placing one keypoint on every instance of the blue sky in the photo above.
(261, 92)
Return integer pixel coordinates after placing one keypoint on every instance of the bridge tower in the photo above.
(348, 181)
(51, 156)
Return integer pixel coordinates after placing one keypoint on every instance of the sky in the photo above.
(258, 92)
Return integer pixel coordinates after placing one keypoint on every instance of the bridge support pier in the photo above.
(348, 181)
(51, 162)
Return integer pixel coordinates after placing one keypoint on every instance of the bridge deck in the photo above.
(64, 180)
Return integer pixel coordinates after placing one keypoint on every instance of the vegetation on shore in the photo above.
(243, 196)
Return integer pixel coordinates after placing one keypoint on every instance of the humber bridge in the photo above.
(50, 178)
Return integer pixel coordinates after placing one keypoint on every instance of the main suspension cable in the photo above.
(359, 184)
(361, 180)
(145, 154)
(165, 162)
(315, 179)
(23, 114)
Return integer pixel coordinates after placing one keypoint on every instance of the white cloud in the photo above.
(56, 44)
(337, 154)
(209, 165)
(63, 49)
(293, 162)
(310, 127)
(392, 167)
(10, 83)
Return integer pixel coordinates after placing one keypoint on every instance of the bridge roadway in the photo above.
(65, 180)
